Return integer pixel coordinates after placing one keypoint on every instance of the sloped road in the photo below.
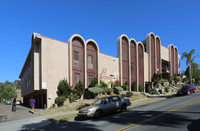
(174, 114)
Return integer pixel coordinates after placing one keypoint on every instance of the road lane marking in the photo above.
(157, 116)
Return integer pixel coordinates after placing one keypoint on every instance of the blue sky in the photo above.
(174, 21)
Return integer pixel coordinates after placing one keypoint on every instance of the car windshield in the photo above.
(98, 101)
(184, 88)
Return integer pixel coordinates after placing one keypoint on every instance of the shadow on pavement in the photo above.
(35, 126)
(194, 126)
(130, 117)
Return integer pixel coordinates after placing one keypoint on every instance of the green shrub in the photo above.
(104, 90)
(125, 87)
(7, 92)
(79, 90)
(94, 82)
(118, 89)
(123, 95)
(64, 88)
(73, 97)
(141, 88)
(156, 79)
(134, 86)
(109, 91)
(60, 100)
(163, 80)
(166, 89)
(153, 91)
(129, 94)
(177, 79)
(103, 84)
(96, 90)
(112, 84)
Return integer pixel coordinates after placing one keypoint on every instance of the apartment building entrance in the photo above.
(40, 98)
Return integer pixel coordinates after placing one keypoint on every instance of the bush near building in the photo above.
(141, 88)
(109, 91)
(125, 87)
(96, 90)
(94, 82)
(166, 89)
(118, 89)
(134, 86)
(103, 84)
(153, 91)
(60, 100)
(112, 84)
(128, 94)
(118, 83)
(64, 88)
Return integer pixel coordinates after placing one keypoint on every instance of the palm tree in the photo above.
(189, 61)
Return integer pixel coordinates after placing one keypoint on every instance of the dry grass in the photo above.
(67, 107)
(137, 96)
(149, 100)
(79, 103)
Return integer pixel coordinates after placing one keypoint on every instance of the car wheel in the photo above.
(194, 91)
(188, 92)
(124, 108)
(98, 114)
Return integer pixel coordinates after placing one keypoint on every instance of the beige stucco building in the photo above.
(50, 61)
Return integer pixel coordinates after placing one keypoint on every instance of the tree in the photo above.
(64, 88)
(17, 84)
(7, 92)
(94, 82)
(190, 58)
(79, 89)
(195, 70)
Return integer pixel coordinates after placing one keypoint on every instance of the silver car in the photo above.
(104, 106)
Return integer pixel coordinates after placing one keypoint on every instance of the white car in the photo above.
(19, 102)
(104, 106)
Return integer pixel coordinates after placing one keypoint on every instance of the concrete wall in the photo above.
(54, 66)
(164, 53)
(108, 68)
(26, 77)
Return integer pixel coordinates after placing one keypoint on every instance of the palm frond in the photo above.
(192, 52)
(195, 57)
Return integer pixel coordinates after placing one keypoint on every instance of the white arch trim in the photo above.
(140, 43)
(119, 44)
(95, 43)
(70, 54)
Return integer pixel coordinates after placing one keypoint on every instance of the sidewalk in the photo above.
(40, 121)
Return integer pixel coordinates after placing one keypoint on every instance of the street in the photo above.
(179, 113)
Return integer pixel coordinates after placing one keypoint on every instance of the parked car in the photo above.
(104, 106)
(8, 102)
(186, 90)
(19, 102)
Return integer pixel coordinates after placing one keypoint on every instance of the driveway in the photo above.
(21, 112)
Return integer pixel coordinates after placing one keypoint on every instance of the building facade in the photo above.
(49, 61)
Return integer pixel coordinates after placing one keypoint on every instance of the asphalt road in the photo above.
(173, 114)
